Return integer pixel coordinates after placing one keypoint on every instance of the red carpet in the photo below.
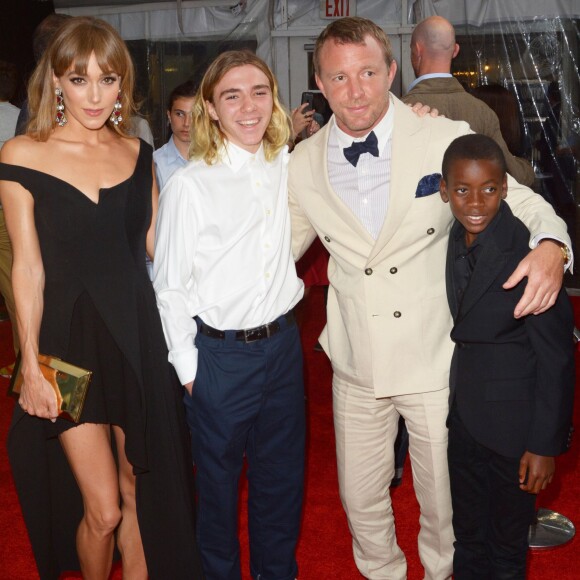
(324, 552)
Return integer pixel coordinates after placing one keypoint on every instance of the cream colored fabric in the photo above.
(388, 320)
(366, 429)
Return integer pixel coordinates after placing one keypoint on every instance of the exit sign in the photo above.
(337, 8)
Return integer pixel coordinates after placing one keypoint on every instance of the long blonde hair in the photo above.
(207, 138)
(72, 46)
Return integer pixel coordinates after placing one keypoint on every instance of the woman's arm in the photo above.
(37, 396)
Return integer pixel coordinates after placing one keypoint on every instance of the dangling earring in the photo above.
(116, 117)
(60, 116)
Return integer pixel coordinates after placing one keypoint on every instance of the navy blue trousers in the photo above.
(249, 398)
(491, 514)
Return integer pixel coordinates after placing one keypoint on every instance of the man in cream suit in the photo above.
(372, 204)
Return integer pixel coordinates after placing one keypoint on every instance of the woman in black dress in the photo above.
(80, 201)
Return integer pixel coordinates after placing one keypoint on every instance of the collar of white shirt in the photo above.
(236, 157)
(383, 130)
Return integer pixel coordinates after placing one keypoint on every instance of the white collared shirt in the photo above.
(167, 160)
(364, 188)
(223, 249)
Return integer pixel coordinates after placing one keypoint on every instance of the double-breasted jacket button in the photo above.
(431, 231)
(393, 270)
(326, 238)
(368, 271)
(397, 314)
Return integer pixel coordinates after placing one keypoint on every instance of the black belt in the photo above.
(249, 334)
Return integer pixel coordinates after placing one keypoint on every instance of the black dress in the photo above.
(100, 313)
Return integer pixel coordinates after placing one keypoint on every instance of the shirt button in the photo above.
(258, 183)
(431, 231)
(397, 314)
(327, 238)
(268, 212)
(393, 270)
(368, 271)
(267, 274)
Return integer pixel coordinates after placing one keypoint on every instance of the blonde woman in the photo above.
(80, 202)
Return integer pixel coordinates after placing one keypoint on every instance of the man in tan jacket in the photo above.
(433, 47)
(366, 185)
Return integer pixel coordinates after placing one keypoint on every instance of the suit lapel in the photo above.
(489, 265)
(408, 149)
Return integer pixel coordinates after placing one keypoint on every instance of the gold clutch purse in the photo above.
(70, 384)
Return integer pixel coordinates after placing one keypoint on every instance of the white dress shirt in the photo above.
(167, 160)
(223, 249)
(364, 188)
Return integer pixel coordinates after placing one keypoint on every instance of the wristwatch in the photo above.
(566, 253)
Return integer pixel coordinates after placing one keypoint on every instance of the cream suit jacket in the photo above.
(388, 321)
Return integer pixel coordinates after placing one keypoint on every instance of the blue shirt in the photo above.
(167, 160)
(428, 76)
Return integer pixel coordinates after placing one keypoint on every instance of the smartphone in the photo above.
(308, 97)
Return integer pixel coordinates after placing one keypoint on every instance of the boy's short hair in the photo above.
(185, 90)
(475, 147)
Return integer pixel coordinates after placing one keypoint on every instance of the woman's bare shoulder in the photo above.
(19, 150)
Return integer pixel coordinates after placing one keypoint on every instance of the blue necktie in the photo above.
(369, 145)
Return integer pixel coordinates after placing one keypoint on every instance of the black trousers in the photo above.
(491, 514)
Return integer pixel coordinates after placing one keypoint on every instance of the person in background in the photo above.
(366, 185)
(504, 104)
(80, 200)
(512, 380)
(433, 48)
(226, 287)
(301, 120)
(8, 118)
(175, 153)
(139, 127)
(8, 112)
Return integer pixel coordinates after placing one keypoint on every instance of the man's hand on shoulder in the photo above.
(544, 268)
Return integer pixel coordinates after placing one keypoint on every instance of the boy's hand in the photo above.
(536, 472)
(421, 110)
(544, 269)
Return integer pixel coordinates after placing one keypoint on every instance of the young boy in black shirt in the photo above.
(512, 380)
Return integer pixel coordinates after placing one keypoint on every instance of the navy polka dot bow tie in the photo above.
(369, 145)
